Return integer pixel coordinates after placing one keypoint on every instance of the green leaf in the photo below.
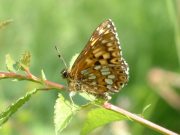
(4, 116)
(87, 96)
(145, 109)
(63, 113)
(25, 60)
(99, 117)
(10, 63)
(43, 76)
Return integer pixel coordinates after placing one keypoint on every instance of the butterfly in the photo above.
(100, 68)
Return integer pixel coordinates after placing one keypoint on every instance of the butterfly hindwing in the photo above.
(100, 67)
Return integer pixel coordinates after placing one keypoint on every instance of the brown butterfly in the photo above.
(100, 68)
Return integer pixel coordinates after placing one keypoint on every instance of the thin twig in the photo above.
(11, 75)
(51, 85)
(139, 119)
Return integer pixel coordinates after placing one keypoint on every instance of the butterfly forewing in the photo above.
(100, 68)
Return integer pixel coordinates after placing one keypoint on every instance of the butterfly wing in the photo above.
(100, 66)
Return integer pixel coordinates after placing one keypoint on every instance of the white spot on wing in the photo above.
(104, 69)
(84, 72)
(109, 81)
(97, 67)
(111, 76)
(92, 77)
(105, 73)
(101, 31)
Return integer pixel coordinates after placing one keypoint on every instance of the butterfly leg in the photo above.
(71, 95)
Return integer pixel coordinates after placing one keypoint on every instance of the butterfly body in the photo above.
(100, 68)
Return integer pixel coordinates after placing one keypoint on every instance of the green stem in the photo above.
(175, 18)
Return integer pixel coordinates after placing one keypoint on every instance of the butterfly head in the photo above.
(64, 73)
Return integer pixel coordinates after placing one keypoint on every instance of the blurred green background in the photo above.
(147, 31)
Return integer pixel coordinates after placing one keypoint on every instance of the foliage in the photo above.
(148, 33)
(4, 116)
(99, 117)
(64, 112)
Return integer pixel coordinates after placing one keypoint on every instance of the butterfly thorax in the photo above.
(77, 84)
(73, 84)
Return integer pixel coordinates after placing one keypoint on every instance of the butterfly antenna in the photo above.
(59, 55)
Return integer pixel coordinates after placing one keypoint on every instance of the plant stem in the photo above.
(175, 18)
(139, 119)
(50, 85)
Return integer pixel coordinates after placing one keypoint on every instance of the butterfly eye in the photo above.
(64, 73)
